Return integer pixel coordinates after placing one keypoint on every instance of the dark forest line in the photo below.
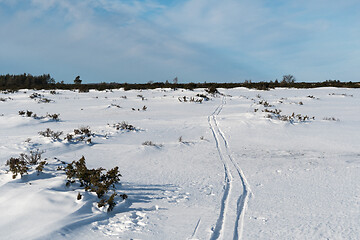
(45, 81)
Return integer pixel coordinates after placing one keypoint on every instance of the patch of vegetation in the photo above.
(22, 164)
(190, 99)
(54, 116)
(331, 119)
(212, 90)
(97, 180)
(275, 111)
(275, 114)
(83, 131)
(17, 166)
(27, 113)
(44, 100)
(5, 99)
(123, 126)
(40, 98)
(115, 105)
(80, 134)
(265, 103)
(144, 108)
(342, 94)
(9, 91)
(142, 97)
(51, 134)
(204, 97)
(35, 96)
(150, 143)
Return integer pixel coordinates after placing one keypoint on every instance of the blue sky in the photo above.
(195, 40)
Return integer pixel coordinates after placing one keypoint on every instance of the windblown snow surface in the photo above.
(233, 174)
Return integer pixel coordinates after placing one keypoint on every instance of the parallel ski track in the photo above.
(233, 173)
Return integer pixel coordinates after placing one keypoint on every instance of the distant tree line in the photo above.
(25, 81)
(45, 81)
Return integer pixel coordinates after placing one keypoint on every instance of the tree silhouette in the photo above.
(77, 80)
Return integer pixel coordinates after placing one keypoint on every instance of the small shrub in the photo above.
(35, 95)
(265, 103)
(275, 111)
(124, 126)
(142, 97)
(17, 166)
(212, 90)
(288, 118)
(40, 167)
(343, 94)
(83, 131)
(51, 134)
(94, 180)
(69, 137)
(331, 119)
(204, 97)
(191, 99)
(54, 116)
(33, 158)
(124, 196)
(115, 105)
(44, 100)
(150, 143)
(21, 164)
(111, 202)
(29, 113)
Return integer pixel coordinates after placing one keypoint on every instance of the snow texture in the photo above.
(226, 168)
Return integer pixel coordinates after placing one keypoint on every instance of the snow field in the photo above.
(235, 175)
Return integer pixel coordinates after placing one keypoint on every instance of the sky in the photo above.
(138, 41)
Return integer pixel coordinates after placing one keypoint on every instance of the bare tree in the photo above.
(288, 79)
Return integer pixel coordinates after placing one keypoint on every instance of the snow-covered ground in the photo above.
(219, 169)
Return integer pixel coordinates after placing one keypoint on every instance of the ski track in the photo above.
(234, 180)
(196, 228)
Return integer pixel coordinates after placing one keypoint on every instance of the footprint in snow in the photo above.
(133, 221)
